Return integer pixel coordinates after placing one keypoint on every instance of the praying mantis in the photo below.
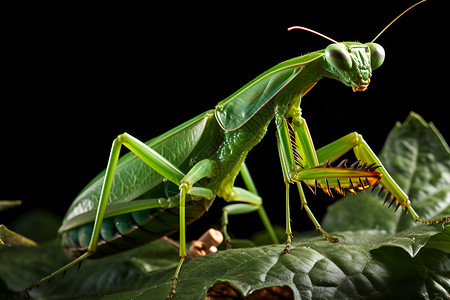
(170, 181)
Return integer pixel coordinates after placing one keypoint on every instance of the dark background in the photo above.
(77, 76)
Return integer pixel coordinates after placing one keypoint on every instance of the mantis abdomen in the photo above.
(127, 231)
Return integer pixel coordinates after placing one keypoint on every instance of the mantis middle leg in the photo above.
(251, 202)
(290, 155)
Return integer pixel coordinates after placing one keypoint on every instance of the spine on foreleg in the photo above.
(356, 177)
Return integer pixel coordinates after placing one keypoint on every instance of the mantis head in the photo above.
(353, 63)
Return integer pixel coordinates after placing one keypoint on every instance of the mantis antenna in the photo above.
(313, 31)
(334, 41)
(394, 21)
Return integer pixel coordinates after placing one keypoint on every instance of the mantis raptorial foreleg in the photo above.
(363, 152)
(300, 162)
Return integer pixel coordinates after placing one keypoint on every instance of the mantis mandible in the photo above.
(170, 181)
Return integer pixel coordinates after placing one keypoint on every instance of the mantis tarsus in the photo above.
(171, 180)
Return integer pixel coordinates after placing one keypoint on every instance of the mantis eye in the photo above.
(337, 55)
(376, 55)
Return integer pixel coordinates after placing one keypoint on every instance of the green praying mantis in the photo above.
(170, 181)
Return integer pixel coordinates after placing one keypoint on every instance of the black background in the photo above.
(77, 76)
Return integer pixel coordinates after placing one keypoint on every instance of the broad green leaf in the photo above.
(359, 266)
(379, 255)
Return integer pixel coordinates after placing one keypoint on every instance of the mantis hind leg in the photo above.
(161, 165)
(107, 183)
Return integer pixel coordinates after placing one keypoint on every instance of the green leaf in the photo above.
(356, 267)
(379, 255)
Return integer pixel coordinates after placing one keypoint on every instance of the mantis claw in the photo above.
(173, 291)
(288, 242)
(327, 236)
(27, 292)
(228, 242)
(286, 249)
(332, 239)
(444, 219)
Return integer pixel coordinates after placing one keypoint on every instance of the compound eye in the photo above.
(376, 55)
(337, 55)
